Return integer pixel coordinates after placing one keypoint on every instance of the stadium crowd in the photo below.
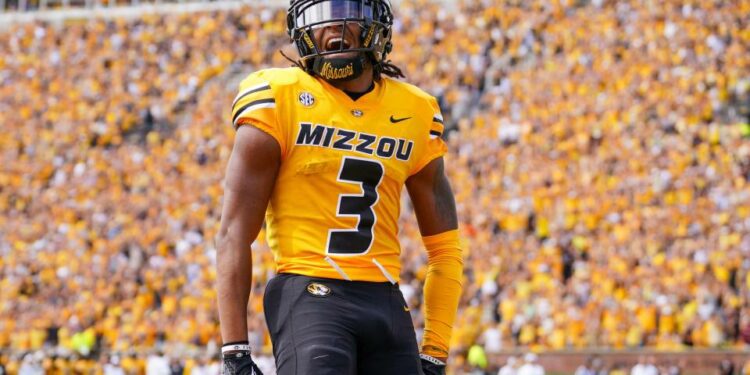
(600, 156)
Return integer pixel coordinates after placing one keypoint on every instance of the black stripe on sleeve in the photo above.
(438, 120)
(248, 105)
(259, 89)
(435, 133)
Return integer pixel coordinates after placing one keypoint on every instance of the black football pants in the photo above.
(324, 326)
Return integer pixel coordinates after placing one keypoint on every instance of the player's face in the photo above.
(331, 37)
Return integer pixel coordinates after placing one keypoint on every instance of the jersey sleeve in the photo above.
(435, 146)
(255, 105)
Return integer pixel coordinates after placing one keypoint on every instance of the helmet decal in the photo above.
(369, 36)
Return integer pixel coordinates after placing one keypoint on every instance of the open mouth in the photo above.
(337, 44)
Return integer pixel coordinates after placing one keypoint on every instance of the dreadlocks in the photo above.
(387, 68)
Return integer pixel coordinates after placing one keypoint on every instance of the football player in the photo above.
(324, 149)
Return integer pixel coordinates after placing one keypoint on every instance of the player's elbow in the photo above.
(443, 255)
(221, 239)
(446, 264)
(233, 255)
(226, 243)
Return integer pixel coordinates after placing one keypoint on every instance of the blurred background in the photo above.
(599, 153)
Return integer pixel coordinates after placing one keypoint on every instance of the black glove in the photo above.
(432, 365)
(236, 360)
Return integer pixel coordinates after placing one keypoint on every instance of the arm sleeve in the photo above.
(442, 291)
(255, 105)
(435, 147)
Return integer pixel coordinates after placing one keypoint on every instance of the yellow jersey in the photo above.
(335, 206)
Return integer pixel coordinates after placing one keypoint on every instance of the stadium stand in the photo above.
(600, 156)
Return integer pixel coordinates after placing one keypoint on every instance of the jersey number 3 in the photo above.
(368, 174)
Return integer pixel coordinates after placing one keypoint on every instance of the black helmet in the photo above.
(374, 18)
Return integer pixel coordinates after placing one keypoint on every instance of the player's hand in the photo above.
(432, 365)
(236, 360)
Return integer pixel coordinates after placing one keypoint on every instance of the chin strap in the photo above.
(339, 69)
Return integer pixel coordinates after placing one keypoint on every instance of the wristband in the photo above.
(431, 359)
(241, 346)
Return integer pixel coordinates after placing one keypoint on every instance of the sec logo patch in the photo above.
(306, 99)
(318, 289)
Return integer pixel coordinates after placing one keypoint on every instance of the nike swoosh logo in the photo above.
(406, 309)
(397, 120)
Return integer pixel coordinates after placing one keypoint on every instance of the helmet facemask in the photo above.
(338, 61)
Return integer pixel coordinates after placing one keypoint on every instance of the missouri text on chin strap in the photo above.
(339, 69)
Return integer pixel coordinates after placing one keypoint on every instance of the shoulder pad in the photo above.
(275, 77)
(411, 89)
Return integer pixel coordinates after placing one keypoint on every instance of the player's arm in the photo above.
(250, 177)
(435, 208)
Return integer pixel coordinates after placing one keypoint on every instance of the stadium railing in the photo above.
(20, 11)
(30, 6)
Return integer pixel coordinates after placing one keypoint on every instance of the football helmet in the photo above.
(374, 18)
